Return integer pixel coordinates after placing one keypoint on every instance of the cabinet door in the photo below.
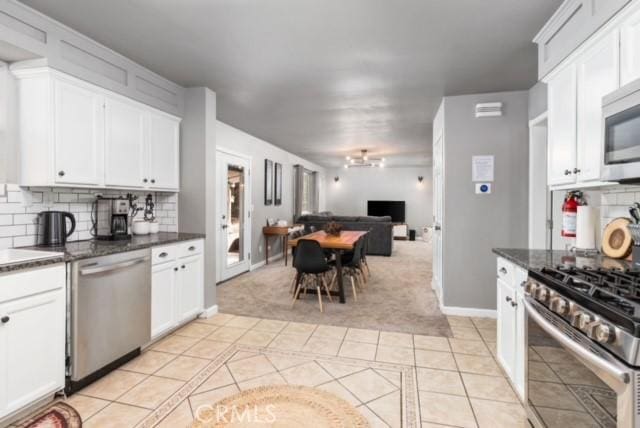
(163, 144)
(519, 355)
(630, 49)
(124, 144)
(32, 358)
(506, 327)
(597, 77)
(190, 287)
(163, 298)
(562, 127)
(78, 134)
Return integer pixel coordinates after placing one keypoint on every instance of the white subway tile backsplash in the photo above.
(19, 211)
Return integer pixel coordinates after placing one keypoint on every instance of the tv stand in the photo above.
(400, 231)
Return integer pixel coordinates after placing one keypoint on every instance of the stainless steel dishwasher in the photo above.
(110, 313)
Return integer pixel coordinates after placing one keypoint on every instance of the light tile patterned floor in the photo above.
(394, 379)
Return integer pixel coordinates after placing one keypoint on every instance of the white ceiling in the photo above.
(325, 78)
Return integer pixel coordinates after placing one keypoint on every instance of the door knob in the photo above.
(5, 319)
(437, 228)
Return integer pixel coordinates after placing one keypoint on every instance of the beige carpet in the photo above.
(398, 298)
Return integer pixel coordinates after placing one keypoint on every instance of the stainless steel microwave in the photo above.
(621, 134)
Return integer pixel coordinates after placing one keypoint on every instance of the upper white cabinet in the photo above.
(598, 73)
(78, 138)
(562, 127)
(163, 138)
(76, 134)
(630, 48)
(124, 155)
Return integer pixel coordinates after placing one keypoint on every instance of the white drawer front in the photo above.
(163, 254)
(505, 270)
(190, 248)
(33, 281)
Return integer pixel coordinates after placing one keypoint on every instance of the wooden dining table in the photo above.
(346, 241)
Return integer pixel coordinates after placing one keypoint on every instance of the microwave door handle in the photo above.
(108, 268)
(591, 358)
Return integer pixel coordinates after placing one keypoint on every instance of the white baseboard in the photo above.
(209, 312)
(262, 263)
(468, 312)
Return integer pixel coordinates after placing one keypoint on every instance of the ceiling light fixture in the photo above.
(364, 161)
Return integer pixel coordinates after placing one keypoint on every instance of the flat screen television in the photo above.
(394, 209)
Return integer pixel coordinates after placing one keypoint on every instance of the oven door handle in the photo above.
(589, 357)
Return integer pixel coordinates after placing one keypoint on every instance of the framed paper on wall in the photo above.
(278, 184)
(268, 182)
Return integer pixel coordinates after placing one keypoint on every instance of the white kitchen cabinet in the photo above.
(164, 151)
(163, 297)
(511, 323)
(562, 105)
(177, 285)
(74, 134)
(78, 134)
(190, 287)
(598, 73)
(124, 155)
(630, 49)
(32, 337)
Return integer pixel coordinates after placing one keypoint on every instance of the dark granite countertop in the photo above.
(93, 248)
(537, 259)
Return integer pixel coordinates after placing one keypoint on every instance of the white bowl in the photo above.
(140, 227)
(154, 227)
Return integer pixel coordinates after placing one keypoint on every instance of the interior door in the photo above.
(124, 144)
(233, 215)
(78, 134)
(438, 196)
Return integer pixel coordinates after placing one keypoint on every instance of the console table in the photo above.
(277, 231)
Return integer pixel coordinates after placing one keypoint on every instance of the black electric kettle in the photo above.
(52, 228)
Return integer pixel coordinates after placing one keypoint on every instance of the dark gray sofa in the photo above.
(380, 237)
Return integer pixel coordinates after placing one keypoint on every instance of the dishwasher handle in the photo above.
(116, 266)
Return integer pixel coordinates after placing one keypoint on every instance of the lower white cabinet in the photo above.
(511, 323)
(177, 285)
(32, 336)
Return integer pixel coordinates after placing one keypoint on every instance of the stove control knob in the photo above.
(542, 294)
(581, 320)
(602, 333)
(530, 287)
(559, 305)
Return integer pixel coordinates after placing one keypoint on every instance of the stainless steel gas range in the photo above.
(583, 337)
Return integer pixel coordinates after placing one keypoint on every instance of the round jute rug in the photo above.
(280, 406)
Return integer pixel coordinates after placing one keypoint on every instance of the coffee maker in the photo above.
(111, 219)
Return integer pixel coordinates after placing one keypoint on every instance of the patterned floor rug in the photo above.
(55, 415)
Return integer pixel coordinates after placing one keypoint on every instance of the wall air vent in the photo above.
(488, 109)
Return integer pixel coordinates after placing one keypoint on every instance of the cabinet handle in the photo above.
(508, 299)
(576, 171)
(61, 173)
(163, 254)
(514, 304)
(153, 180)
(192, 248)
(176, 269)
(5, 319)
(567, 172)
(183, 266)
(144, 180)
(503, 271)
(523, 283)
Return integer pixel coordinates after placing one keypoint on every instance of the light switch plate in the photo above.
(483, 188)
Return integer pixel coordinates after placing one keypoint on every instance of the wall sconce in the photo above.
(420, 178)
(336, 178)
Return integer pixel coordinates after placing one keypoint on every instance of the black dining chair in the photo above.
(353, 267)
(311, 266)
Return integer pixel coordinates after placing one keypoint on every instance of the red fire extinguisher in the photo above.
(572, 201)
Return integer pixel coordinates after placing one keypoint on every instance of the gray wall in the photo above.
(196, 207)
(356, 186)
(26, 34)
(474, 224)
(237, 141)
(537, 100)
